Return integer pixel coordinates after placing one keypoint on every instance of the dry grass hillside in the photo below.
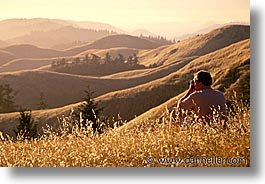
(26, 64)
(113, 52)
(59, 38)
(9, 63)
(135, 92)
(25, 57)
(6, 56)
(31, 51)
(53, 33)
(50, 117)
(58, 89)
(72, 86)
(115, 41)
(196, 46)
(11, 28)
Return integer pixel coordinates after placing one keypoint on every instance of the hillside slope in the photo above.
(72, 86)
(196, 46)
(6, 56)
(192, 47)
(10, 63)
(11, 28)
(31, 51)
(61, 38)
(115, 41)
(58, 89)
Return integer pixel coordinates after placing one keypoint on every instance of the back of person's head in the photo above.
(204, 77)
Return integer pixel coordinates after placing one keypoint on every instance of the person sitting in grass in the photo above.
(205, 102)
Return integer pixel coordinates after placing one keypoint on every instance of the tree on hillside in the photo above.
(77, 60)
(130, 60)
(42, 103)
(120, 59)
(95, 59)
(86, 59)
(107, 58)
(26, 128)
(89, 112)
(135, 59)
(7, 95)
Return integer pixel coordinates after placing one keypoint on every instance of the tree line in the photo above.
(95, 59)
(158, 38)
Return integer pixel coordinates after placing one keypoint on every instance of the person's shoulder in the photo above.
(219, 92)
(195, 94)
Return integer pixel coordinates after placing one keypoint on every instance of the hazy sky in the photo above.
(129, 14)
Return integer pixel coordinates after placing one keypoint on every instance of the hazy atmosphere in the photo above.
(169, 17)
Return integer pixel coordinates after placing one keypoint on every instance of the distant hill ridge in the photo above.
(31, 51)
(61, 38)
(196, 46)
(11, 28)
(53, 33)
(115, 41)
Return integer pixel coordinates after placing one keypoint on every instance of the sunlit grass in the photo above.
(82, 148)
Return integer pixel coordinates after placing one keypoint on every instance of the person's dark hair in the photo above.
(204, 77)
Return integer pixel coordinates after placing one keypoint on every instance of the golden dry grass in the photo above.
(131, 148)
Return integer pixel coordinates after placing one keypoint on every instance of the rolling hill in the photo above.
(116, 41)
(58, 89)
(61, 38)
(196, 46)
(31, 51)
(13, 58)
(225, 52)
(6, 56)
(11, 28)
(18, 31)
(124, 44)
(73, 86)
(11, 64)
(113, 52)
(26, 64)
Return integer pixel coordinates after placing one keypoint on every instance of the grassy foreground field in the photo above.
(164, 144)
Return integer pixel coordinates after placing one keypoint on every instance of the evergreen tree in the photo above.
(77, 60)
(120, 59)
(42, 104)
(86, 59)
(89, 112)
(26, 128)
(95, 59)
(135, 59)
(107, 58)
(7, 95)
